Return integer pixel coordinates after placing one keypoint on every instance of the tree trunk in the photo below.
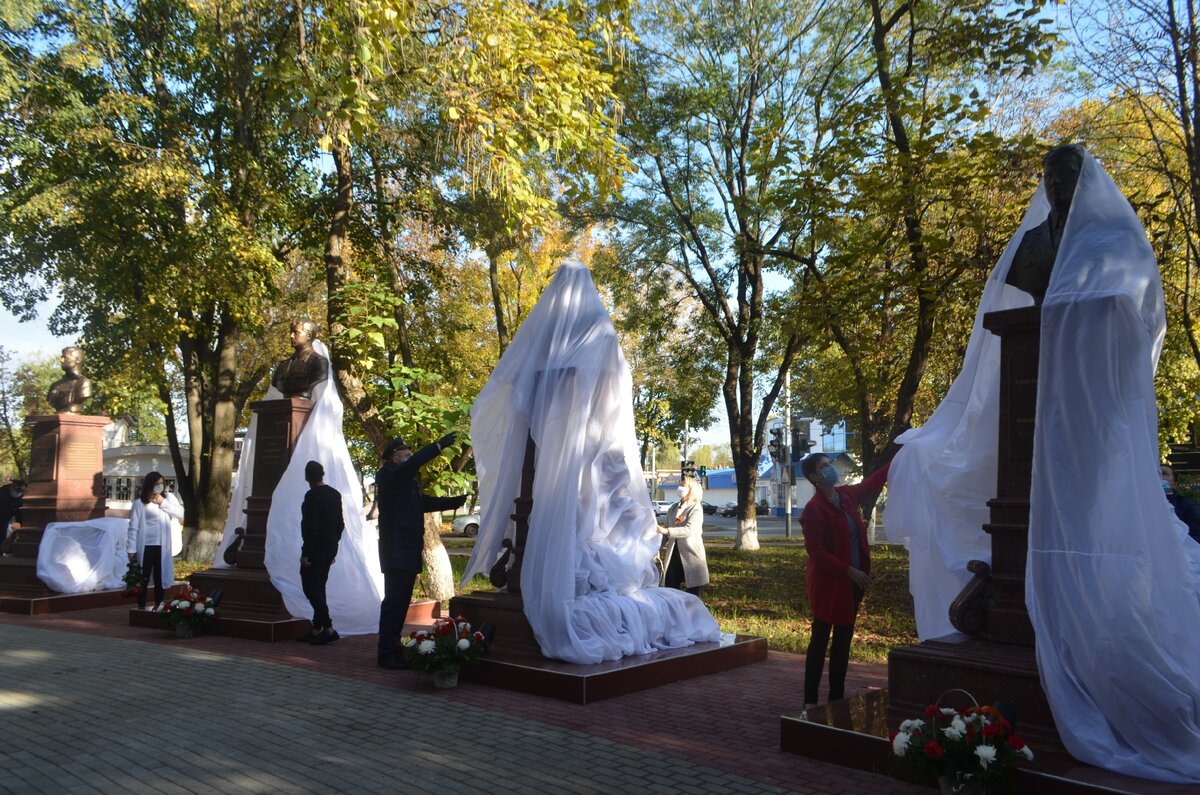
(337, 275)
(493, 254)
(439, 576)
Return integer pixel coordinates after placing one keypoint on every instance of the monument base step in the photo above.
(990, 672)
(853, 733)
(585, 684)
(45, 601)
(272, 627)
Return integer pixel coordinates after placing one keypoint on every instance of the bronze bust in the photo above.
(299, 374)
(67, 394)
(1034, 258)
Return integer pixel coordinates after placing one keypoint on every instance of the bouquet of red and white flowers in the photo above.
(133, 579)
(190, 612)
(968, 750)
(445, 648)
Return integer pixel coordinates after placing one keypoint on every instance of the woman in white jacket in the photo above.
(685, 559)
(149, 536)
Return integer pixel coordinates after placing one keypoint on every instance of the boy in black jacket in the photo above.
(321, 526)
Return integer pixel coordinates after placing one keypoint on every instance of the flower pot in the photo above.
(445, 679)
(184, 630)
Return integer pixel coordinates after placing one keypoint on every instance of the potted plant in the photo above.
(444, 649)
(189, 613)
(967, 751)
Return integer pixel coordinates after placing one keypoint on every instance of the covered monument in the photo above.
(1112, 582)
(588, 579)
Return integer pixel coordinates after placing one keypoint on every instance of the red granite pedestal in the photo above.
(66, 484)
(251, 607)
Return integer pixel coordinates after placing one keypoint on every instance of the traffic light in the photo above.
(775, 446)
(703, 470)
(801, 444)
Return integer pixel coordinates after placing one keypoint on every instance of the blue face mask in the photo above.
(829, 474)
(1166, 486)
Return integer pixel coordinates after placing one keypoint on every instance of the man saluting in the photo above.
(402, 509)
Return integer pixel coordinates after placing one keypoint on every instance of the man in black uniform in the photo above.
(402, 509)
(321, 526)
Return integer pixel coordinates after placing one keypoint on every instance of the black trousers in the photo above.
(839, 656)
(397, 596)
(673, 578)
(151, 567)
(312, 579)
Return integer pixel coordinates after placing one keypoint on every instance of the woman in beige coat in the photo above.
(685, 557)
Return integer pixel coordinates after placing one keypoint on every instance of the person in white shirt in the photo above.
(149, 536)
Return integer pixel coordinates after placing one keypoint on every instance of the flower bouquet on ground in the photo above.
(189, 613)
(971, 750)
(133, 579)
(450, 644)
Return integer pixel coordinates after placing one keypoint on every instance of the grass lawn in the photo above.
(762, 593)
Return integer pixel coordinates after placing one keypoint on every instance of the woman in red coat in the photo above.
(839, 568)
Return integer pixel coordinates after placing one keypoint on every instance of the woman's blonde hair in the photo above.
(690, 491)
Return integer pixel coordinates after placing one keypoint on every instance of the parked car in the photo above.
(729, 509)
(467, 525)
(661, 507)
(708, 507)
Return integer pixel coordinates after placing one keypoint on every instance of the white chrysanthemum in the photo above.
(909, 725)
(184, 605)
(900, 743)
(952, 733)
(1025, 752)
(426, 646)
(948, 711)
(986, 754)
(463, 644)
(208, 611)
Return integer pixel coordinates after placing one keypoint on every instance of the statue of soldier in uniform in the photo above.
(1034, 258)
(67, 394)
(299, 374)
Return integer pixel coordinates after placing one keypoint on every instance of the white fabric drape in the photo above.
(144, 514)
(1111, 584)
(1113, 581)
(588, 581)
(355, 585)
(78, 557)
(943, 476)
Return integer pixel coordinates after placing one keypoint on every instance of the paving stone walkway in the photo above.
(89, 704)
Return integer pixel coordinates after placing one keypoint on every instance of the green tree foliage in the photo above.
(927, 198)
(151, 174)
(24, 382)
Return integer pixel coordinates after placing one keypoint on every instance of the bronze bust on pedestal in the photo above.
(67, 394)
(299, 374)
(1034, 258)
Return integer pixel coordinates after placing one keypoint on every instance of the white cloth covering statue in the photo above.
(588, 580)
(78, 557)
(1113, 581)
(355, 582)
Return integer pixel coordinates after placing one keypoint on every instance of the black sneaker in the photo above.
(392, 662)
(323, 638)
(307, 637)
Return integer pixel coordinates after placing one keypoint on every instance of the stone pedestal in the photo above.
(998, 661)
(251, 607)
(66, 484)
(66, 469)
(279, 425)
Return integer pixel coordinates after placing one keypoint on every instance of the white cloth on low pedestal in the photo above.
(78, 557)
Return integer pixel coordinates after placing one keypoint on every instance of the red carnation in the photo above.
(446, 628)
(931, 710)
(1016, 743)
(934, 750)
(478, 636)
(990, 730)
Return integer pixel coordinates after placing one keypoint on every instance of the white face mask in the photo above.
(158, 489)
